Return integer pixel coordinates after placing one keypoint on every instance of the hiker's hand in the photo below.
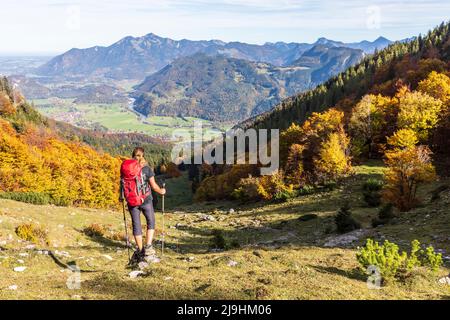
(163, 191)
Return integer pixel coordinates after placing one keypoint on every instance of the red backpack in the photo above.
(134, 188)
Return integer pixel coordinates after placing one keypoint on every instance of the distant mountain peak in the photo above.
(382, 39)
(151, 35)
(322, 40)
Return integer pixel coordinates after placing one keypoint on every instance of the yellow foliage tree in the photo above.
(368, 123)
(70, 173)
(222, 185)
(6, 107)
(436, 85)
(407, 170)
(420, 112)
(292, 135)
(403, 138)
(294, 165)
(333, 161)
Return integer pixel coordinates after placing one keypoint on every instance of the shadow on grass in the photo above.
(354, 274)
(140, 289)
(103, 241)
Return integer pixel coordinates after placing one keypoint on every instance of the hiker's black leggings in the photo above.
(149, 215)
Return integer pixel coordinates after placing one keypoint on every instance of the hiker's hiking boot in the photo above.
(149, 250)
(137, 257)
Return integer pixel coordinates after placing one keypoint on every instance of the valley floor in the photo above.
(273, 254)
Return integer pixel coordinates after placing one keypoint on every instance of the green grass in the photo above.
(180, 192)
(280, 256)
(117, 118)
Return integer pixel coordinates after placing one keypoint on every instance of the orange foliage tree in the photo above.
(70, 173)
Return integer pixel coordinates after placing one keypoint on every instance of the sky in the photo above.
(55, 26)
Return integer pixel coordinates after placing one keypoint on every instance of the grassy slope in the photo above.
(280, 257)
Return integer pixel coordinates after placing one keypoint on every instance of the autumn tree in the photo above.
(294, 165)
(407, 170)
(436, 85)
(420, 112)
(403, 139)
(309, 148)
(333, 160)
(6, 107)
(368, 124)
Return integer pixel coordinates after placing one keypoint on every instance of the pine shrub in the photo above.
(395, 265)
(371, 192)
(385, 214)
(345, 222)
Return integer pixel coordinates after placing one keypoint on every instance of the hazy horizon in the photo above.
(50, 27)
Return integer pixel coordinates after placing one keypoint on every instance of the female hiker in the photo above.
(143, 180)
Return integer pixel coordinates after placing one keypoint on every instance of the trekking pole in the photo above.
(126, 230)
(163, 232)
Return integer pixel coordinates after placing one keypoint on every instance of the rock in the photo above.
(13, 287)
(108, 257)
(3, 242)
(30, 247)
(168, 278)
(231, 211)
(344, 239)
(190, 259)
(207, 217)
(445, 280)
(19, 269)
(136, 273)
(142, 265)
(152, 259)
(20, 261)
(232, 263)
(23, 254)
(62, 253)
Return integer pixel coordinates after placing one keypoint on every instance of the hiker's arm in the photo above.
(155, 186)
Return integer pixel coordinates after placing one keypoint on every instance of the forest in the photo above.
(394, 106)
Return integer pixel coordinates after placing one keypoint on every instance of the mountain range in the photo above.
(214, 80)
(229, 89)
(138, 57)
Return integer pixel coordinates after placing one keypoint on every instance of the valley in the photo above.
(119, 118)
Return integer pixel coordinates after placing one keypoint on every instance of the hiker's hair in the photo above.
(136, 150)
